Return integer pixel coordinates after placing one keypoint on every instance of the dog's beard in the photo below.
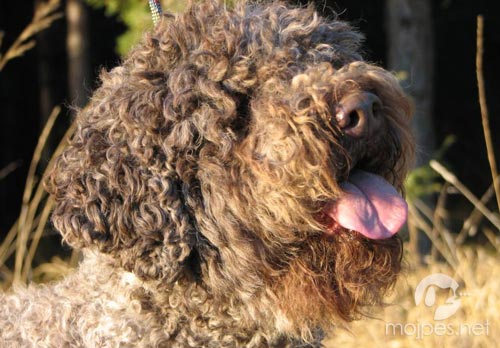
(334, 278)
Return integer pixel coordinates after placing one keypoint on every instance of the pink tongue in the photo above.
(370, 206)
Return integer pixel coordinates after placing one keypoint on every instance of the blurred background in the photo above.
(51, 52)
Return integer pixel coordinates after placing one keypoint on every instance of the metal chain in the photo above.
(156, 11)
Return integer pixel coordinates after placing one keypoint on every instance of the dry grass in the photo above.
(23, 238)
(478, 315)
(45, 14)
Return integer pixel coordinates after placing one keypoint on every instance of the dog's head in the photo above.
(252, 149)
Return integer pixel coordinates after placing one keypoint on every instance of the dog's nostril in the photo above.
(345, 119)
(358, 115)
(353, 119)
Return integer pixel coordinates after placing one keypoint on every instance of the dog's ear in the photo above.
(116, 186)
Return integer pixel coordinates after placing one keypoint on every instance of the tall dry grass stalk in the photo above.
(45, 14)
(24, 236)
(484, 108)
(26, 217)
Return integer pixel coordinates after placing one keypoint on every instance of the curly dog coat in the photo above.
(234, 183)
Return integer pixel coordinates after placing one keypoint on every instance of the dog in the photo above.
(235, 182)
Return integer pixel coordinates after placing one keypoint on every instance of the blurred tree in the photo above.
(411, 56)
(77, 46)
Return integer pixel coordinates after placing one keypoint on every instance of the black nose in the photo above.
(358, 114)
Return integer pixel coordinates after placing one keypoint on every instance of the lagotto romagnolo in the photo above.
(235, 182)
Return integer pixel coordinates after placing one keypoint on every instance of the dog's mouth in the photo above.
(369, 205)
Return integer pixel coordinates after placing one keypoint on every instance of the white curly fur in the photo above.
(101, 305)
(80, 311)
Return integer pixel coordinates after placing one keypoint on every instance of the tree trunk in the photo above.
(411, 56)
(77, 43)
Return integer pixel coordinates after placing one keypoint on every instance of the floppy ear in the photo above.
(116, 185)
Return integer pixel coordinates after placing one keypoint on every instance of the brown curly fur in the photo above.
(195, 182)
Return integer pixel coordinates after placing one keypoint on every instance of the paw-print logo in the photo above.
(426, 291)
